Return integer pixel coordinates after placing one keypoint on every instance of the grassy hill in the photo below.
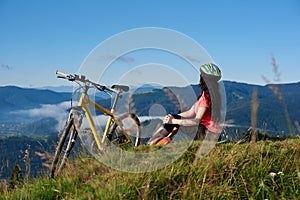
(263, 170)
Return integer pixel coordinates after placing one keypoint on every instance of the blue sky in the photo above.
(38, 37)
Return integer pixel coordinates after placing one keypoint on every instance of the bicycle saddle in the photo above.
(121, 87)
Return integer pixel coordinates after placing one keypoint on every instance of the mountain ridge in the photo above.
(16, 98)
(238, 97)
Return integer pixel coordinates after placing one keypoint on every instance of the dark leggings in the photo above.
(169, 127)
(200, 135)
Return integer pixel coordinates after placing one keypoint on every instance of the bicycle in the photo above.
(118, 131)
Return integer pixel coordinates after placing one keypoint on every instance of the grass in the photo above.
(230, 171)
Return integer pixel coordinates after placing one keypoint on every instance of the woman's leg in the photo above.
(158, 135)
(163, 131)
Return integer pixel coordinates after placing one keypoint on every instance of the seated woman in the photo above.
(205, 113)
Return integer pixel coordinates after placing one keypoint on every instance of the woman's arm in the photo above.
(169, 119)
(189, 113)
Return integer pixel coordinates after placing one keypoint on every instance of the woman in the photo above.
(205, 113)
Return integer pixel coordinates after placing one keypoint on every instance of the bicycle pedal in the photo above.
(109, 137)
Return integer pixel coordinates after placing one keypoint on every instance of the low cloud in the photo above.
(60, 113)
(145, 118)
(47, 110)
(56, 111)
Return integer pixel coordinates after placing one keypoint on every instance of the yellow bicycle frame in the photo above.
(84, 102)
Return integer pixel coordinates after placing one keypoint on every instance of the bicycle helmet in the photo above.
(211, 70)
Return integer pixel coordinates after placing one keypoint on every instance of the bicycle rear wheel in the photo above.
(64, 148)
(126, 131)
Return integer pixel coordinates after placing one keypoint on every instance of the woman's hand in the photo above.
(168, 119)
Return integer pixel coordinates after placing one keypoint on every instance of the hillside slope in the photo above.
(271, 114)
(265, 170)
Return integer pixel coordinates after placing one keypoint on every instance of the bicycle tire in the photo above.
(59, 156)
(131, 125)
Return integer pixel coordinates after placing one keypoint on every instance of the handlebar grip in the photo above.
(61, 74)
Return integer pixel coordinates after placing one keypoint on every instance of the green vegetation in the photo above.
(262, 170)
(13, 150)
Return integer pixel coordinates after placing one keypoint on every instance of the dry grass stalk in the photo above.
(176, 100)
(3, 186)
(275, 66)
(172, 97)
(297, 126)
(45, 156)
(130, 103)
(27, 163)
(275, 89)
(254, 108)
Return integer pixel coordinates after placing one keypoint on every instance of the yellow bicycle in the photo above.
(122, 130)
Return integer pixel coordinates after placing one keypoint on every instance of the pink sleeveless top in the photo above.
(207, 121)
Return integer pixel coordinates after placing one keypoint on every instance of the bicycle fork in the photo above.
(75, 125)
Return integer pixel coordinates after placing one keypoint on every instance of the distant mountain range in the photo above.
(63, 88)
(24, 106)
(15, 98)
(271, 111)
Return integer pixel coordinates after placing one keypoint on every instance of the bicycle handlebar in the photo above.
(62, 74)
(82, 79)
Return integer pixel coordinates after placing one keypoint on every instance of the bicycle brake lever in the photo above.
(100, 87)
(63, 77)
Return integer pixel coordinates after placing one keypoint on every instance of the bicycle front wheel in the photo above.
(64, 147)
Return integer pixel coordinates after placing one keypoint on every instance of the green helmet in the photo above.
(211, 70)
